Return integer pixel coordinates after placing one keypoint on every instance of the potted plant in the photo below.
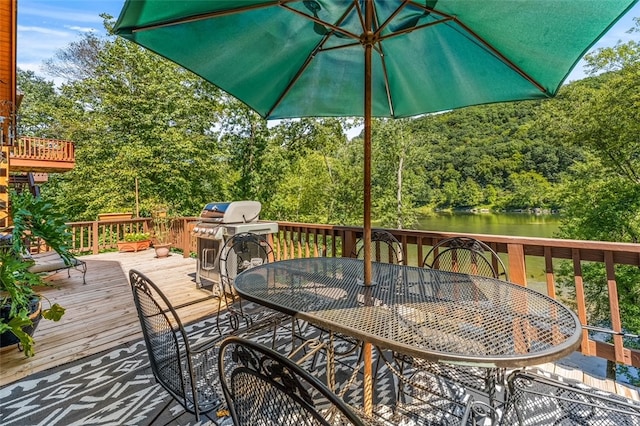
(20, 304)
(135, 241)
(162, 233)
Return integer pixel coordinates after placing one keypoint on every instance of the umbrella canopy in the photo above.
(295, 58)
(372, 58)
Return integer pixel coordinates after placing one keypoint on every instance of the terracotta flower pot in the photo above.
(162, 250)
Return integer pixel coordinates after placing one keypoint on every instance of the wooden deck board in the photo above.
(101, 315)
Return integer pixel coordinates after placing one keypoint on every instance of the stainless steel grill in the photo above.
(219, 222)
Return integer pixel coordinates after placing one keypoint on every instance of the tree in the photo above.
(134, 115)
(79, 61)
(396, 173)
(614, 58)
(528, 189)
(604, 119)
(38, 109)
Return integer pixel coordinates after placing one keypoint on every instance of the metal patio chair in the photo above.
(547, 399)
(263, 387)
(240, 253)
(187, 372)
(473, 257)
(384, 248)
(466, 255)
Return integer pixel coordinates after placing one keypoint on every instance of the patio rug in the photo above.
(117, 387)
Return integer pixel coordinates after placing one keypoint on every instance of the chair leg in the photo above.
(218, 316)
(84, 273)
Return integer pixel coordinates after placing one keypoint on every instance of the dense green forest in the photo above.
(135, 116)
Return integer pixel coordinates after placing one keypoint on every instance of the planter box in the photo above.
(133, 245)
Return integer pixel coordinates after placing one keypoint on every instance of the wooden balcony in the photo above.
(41, 155)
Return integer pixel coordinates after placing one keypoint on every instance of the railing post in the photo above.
(95, 233)
(517, 267)
(580, 300)
(348, 243)
(614, 307)
(186, 240)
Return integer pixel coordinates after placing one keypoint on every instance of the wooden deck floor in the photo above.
(101, 315)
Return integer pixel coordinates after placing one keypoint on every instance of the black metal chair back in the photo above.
(241, 252)
(265, 388)
(534, 399)
(185, 373)
(385, 248)
(466, 255)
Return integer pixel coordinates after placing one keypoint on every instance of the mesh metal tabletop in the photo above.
(431, 314)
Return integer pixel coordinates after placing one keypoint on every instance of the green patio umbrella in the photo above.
(372, 58)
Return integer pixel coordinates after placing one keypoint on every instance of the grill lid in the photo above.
(232, 212)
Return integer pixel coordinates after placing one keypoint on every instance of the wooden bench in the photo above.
(51, 261)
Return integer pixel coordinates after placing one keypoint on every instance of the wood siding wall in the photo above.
(8, 35)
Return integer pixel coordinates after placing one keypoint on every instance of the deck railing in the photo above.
(30, 148)
(295, 240)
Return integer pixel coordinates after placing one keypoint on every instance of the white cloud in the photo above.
(81, 29)
(37, 44)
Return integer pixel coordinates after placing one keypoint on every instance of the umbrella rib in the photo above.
(378, 47)
(417, 27)
(309, 58)
(390, 18)
(334, 27)
(205, 16)
(503, 58)
(482, 41)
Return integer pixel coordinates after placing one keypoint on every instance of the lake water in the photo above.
(512, 224)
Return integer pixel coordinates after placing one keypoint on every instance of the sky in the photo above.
(46, 26)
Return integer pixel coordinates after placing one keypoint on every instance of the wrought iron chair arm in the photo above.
(250, 371)
(609, 331)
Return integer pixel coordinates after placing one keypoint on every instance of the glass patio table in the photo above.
(426, 313)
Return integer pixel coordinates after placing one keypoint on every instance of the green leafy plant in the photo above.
(33, 219)
(162, 228)
(133, 237)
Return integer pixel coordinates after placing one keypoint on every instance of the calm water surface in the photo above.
(513, 224)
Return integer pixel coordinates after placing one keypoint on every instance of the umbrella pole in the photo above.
(367, 347)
